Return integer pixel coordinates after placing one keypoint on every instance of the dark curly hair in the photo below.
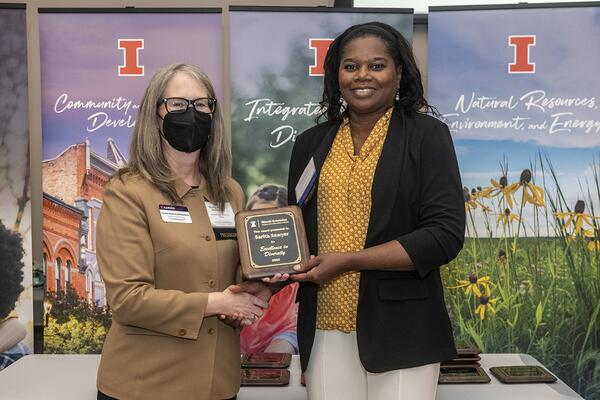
(11, 269)
(271, 193)
(412, 99)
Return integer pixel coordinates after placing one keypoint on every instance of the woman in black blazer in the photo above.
(415, 224)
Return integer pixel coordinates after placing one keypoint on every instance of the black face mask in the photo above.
(187, 131)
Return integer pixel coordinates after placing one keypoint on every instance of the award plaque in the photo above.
(466, 348)
(474, 360)
(266, 360)
(271, 241)
(523, 374)
(463, 374)
(265, 377)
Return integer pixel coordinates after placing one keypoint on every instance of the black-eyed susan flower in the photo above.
(591, 235)
(478, 195)
(502, 188)
(472, 284)
(586, 233)
(502, 256)
(507, 217)
(577, 218)
(471, 200)
(486, 305)
(593, 244)
(486, 193)
(532, 194)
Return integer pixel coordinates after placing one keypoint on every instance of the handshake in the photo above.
(242, 304)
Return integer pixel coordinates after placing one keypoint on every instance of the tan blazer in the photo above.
(158, 275)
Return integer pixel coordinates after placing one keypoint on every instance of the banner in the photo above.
(95, 66)
(520, 91)
(277, 59)
(16, 291)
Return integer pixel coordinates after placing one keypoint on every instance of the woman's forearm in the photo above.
(389, 256)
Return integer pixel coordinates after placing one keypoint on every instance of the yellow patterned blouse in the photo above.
(344, 206)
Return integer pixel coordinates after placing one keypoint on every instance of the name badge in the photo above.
(223, 222)
(306, 183)
(177, 214)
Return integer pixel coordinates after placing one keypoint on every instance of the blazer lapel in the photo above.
(319, 155)
(387, 179)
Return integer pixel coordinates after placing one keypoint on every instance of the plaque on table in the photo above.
(271, 241)
(266, 360)
(461, 374)
(264, 377)
(523, 374)
(466, 348)
(472, 360)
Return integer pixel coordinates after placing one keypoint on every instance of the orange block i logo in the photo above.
(522, 63)
(320, 46)
(131, 57)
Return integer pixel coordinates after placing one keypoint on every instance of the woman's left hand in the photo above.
(323, 268)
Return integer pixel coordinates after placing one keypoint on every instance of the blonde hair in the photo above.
(146, 157)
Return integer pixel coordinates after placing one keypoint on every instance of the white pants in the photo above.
(335, 372)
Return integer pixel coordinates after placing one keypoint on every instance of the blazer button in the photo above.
(211, 331)
(207, 238)
(211, 283)
(182, 332)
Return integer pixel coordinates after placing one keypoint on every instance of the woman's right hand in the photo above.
(276, 278)
(236, 305)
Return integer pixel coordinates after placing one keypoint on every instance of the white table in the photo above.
(73, 377)
(496, 390)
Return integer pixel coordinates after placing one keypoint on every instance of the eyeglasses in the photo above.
(180, 105)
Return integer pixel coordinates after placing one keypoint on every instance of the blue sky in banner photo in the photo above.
(469, 56)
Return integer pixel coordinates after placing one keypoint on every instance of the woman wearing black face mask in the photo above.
(166, 252)
(187, 125)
